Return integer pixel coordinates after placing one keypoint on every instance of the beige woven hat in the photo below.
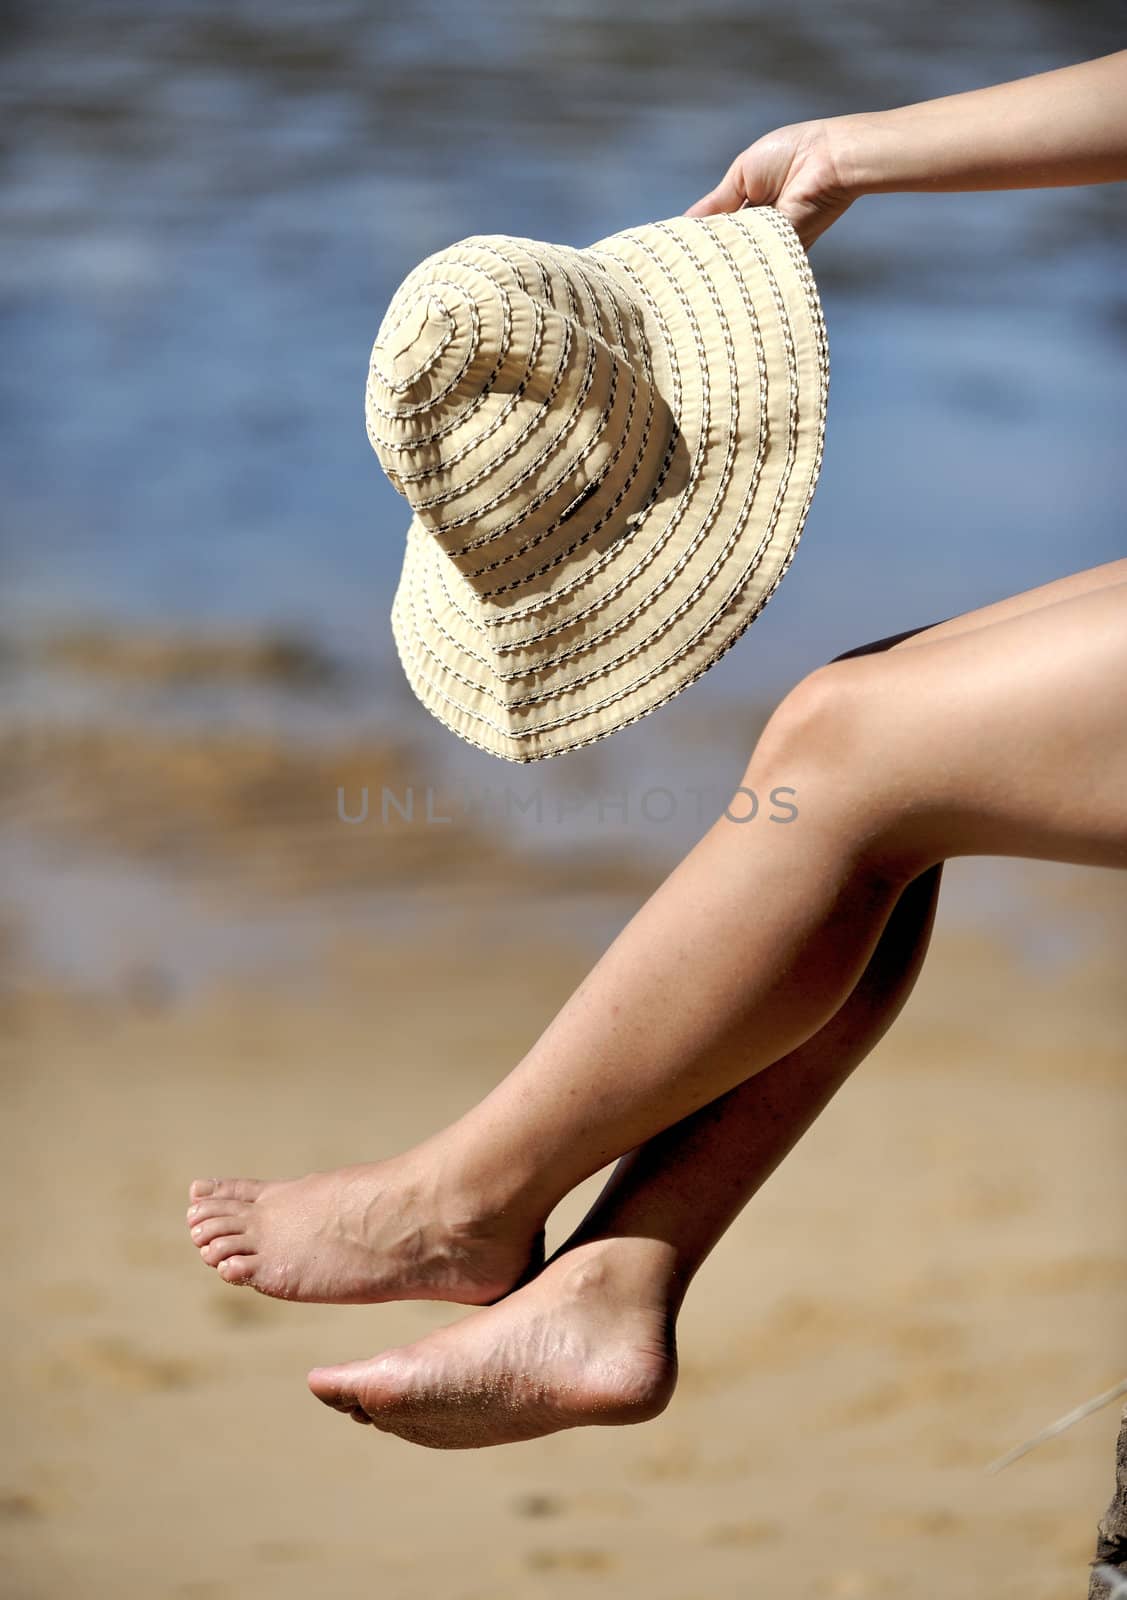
(609, 453)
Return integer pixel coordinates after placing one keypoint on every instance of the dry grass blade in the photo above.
(1059, 1426)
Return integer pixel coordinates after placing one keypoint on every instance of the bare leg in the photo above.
(753, 943)
(1009, 739)
(592, 1339)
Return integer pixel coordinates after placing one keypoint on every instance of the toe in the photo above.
(226, 1189)
(216, 1227)
(237, 1269)
(208, 1210)
(336, 1386)
(217, 1206)
(226, 1245)
(368, 1390)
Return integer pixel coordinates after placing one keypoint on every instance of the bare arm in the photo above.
(1062, 127)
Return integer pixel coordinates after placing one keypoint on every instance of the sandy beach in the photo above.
(936, 1273)
(203, 970)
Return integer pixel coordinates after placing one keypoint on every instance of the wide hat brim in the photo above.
(733, 327)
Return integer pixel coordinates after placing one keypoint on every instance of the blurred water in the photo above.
(207, 206)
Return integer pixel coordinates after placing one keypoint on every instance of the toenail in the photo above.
(197, 1231)
(206, 1187)
(193, 1211)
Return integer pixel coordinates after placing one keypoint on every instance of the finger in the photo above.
(729, 195)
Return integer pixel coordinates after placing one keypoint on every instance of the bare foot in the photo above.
(588, 1341)
(388, 1231)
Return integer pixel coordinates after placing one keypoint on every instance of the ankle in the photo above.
(633, 1267)
(485, 1187)
(477, 1200)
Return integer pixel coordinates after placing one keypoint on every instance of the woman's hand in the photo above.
(1065, 126)
(793, 169)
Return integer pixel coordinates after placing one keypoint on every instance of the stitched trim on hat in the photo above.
(610, 292)
(628, 577)
(440, 394)
(419, 440)
(684, 500)
(481, 625)
(535, 347)
(487, 471)
(400, 385)
(605, 667)
(528, 506)
(798, 259)
(728, 603)
(596, 338)
(587, 573)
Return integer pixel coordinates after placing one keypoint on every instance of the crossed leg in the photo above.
(591, 1340)
(998, 732)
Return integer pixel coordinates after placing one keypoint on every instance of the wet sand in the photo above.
(933, 1275)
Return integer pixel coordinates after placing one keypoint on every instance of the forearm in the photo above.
(1063, 127)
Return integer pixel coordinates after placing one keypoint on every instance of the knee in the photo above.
(817, 725)
(829, 745)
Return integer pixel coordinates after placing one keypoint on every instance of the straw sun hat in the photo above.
(609, 454)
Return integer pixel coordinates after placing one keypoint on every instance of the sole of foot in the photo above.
(585, 1343)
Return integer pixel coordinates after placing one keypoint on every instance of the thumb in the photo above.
(729, 195)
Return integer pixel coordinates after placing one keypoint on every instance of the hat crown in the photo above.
(412, 343)
(510, 401)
